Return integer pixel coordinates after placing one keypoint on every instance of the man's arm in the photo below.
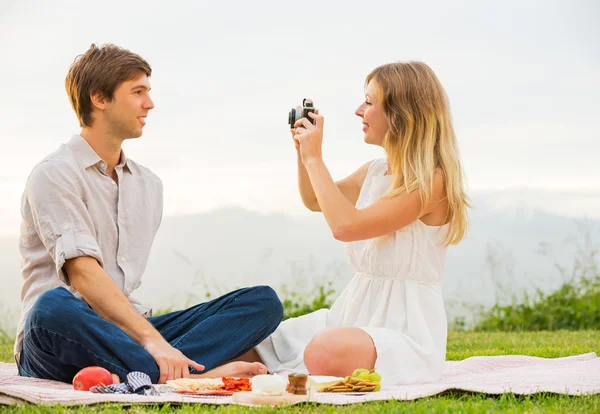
(103, 295)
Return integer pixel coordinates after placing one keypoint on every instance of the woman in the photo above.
(397, 216)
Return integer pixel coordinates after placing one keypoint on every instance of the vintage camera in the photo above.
(296, 114)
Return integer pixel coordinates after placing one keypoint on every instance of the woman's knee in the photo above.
(319, 356)
(339, 351)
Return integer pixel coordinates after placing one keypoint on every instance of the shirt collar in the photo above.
(124, 163)
(87, 157)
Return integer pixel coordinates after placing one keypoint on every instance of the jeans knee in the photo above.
(57, 308)
(269, 303)
(49, 305)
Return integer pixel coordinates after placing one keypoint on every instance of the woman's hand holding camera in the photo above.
(309, 138)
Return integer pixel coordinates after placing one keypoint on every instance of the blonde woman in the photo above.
(397, 216)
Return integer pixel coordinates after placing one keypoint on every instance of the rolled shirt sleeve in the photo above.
(54, 207)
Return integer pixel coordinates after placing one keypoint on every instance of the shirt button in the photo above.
(66, 227)
(123, 259)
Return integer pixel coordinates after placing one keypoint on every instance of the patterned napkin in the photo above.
(137, 383)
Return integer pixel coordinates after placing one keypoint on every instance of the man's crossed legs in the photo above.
(63, 335)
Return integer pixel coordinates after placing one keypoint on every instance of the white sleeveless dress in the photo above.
(395, 296)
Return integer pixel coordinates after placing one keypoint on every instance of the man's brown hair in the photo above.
(101, 69)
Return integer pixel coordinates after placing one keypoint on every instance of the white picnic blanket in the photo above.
(574, 375)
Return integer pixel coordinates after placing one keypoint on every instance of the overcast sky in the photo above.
(523, 79)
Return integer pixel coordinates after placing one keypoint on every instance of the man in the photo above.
(90, 215)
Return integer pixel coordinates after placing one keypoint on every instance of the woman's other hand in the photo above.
(309, 137)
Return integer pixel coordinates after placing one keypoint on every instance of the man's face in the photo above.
(126, 114)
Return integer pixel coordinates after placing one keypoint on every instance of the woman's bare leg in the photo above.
(338, 351)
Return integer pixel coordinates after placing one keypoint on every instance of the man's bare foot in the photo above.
(234, 369)
(115, 378)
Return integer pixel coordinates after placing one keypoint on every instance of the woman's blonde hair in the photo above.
(421, 138)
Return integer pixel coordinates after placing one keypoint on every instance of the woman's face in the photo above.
(375, 123)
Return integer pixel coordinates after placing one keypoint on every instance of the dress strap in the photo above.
(377, 167)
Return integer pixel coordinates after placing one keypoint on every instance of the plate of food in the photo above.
(210, 387)
(360, 382)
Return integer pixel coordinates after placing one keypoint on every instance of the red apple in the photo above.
(91, 376)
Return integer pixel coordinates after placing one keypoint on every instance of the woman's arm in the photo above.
(348, 223)
(349, 186)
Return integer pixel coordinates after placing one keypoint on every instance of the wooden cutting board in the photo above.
(245, 397)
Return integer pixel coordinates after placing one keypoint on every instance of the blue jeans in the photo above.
(63, 334)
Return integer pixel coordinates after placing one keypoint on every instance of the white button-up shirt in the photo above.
(71, 208)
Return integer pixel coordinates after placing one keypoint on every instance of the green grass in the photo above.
(572, 307)
(6, 352)
(460, 345)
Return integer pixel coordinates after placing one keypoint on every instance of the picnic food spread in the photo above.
(263, 389)
(361, 380)
(272, 390)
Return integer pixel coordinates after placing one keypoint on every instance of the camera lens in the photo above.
(293, 116)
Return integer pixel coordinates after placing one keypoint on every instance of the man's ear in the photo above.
(98, 100)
